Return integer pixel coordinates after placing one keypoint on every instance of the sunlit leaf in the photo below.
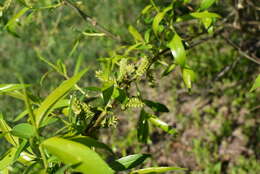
(137, 36)
(7, 159)
(169, 69)
(204, 4)
(146, 9)
(158, 18)
(161, 124)
(188, 76)
(129, 162)
(11, 87)
(71, 152)
(5, 129)
(256, 84)
(17, 16)
(55, 96)
(94, 34)
(178, 50)
(204, 14)
(156, 170)
(23, 130)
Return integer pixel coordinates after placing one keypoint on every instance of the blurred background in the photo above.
(218, 121)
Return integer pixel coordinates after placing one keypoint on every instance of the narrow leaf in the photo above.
(156, 170)
(143, 127)
(4, 127)
(55, 96)
(178, 50)
(7, 158)
(161, 124)
(11, 87)
(256, 84)
(70, 152)
(16, 17)
(158, 18)
(94, 34)
(129, 162)
(136, 35)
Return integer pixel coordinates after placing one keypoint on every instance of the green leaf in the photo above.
(15, 94)
(91, 142)
(206, 4)
(23, 130)
(169, 69)
(143, 127)
(146, 9)
(161, 124)
(178, 50)
(137, 36)
(156, 170)
(4, 127)
(158, 18)
(11, 87)
(107, 94)
(256, 84)
(55, 96)
(22, 146)
(94, 34)
(70, 152)
(128, 162)
(188, 76)
(7, 158)
(204, 14)
(155, 106)
(13, 20)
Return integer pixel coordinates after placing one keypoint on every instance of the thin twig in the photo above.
(94, 23)
(240, 51)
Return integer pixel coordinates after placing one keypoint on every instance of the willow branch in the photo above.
(93, 22)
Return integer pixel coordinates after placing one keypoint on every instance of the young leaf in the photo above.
(7, 158)
(94, 34)
(178, 50)
(188, 76)
(4, 127)
(204, 14)
(155, 106)
(23, 130)
(16, 17)
(91, 142)
(11, 87)
(156, 170)
(137, 36)
(158, 18)
(143, 127)
(128, 162)
(161, 124)
(169, 69)
(55, 96)
(206, 4)
(71, 152)
(256, 84)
